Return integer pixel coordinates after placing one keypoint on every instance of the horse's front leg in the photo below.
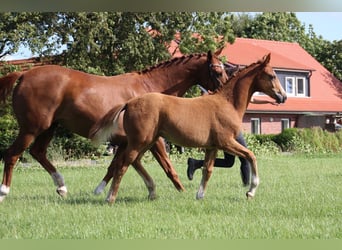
(239, 150)
(255, 178)
(208, 166)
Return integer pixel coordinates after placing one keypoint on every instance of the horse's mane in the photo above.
(236, 74)
(171, 61)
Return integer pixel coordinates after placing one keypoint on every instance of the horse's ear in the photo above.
(218, 52)
(209, 55)
(267, 58)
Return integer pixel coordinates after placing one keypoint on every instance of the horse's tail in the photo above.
(7, 83)
(106, 126)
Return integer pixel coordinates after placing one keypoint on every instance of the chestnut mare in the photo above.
(48, 95)
(218, 121)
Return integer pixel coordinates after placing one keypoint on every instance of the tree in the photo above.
(329, 54)
(276, 26)
(30, 29)
(113, 43)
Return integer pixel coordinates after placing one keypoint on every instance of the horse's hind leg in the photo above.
(99, 189)
(209, 160)
(146, 177)
(10, 158)
(120, 167)
(39, 150)
(159, 152)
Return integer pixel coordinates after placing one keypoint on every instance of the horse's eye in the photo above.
(272, 77)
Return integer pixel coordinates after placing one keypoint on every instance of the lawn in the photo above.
(299, 197)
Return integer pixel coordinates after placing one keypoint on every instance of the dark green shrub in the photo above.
(8, 132)
(73, 146)
(286, 140)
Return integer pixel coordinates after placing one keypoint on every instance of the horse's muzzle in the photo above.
(280, 98)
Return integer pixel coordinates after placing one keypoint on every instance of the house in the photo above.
(314, 94)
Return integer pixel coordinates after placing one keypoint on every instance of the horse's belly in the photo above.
(190, 137)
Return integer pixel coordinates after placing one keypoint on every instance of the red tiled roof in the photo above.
(26, 64)
(325, 89)
(245, 51)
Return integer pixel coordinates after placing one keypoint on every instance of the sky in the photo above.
(326, 24)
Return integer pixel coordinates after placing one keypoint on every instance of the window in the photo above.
(285, 123)
(295, 86)
(289, 82)
(301, 86)
(255, 123)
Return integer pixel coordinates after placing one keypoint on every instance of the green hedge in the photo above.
(307, 141)
(66, 145)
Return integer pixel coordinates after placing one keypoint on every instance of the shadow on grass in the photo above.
(100, 200)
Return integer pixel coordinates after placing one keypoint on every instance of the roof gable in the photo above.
(284, 54)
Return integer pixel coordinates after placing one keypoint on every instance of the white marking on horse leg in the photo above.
(59, 182)
(62, 191)
(58, 179)
(99, 189)
(4, 191)
(200, 192)
(253, 187)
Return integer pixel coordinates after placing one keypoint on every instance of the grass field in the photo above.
(298, 198)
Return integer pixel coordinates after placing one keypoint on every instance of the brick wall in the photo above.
(270, 123)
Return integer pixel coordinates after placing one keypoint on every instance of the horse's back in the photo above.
(54, 93)
(175, 118)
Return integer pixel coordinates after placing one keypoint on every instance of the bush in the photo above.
(303, 141)
(73, 146)
(286, 140)
(262, 144)
(8, 132)
(316, 140)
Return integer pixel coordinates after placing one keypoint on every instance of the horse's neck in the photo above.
(239, 93)
(174, 79)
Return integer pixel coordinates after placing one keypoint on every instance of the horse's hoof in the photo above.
(2, 197)
(249, 195)
(98, 191)
(200, 196)
(4, 190)
(110, 201)
(100, 188)
(62, 191)
(152, 197)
